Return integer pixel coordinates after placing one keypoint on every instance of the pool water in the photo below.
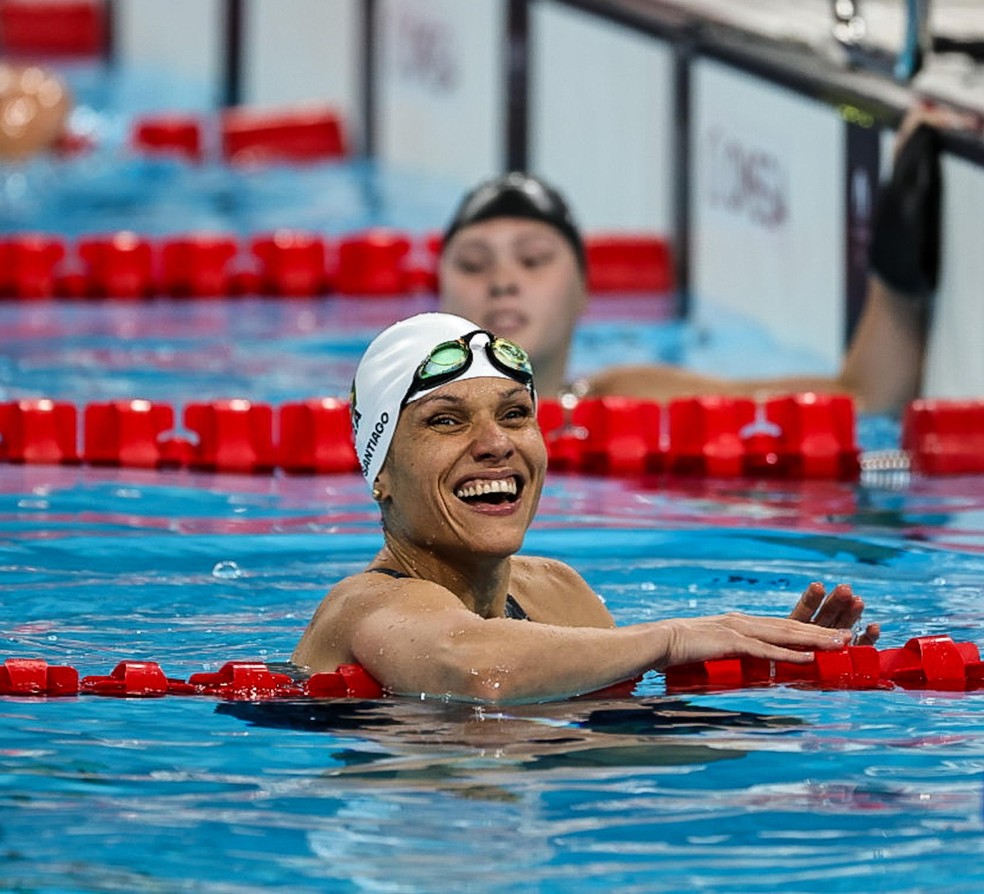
(778, 789)
(752, 790)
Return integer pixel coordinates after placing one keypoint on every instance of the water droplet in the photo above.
(32, 504)
(226, 570)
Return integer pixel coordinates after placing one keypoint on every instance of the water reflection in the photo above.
(430, 740)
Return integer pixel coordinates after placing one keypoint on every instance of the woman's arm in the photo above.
(418, 638)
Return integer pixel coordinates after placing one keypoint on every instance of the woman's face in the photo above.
(518, 278)
(465, 469)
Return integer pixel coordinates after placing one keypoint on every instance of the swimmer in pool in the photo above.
(445, 425)
(34, 106)
(513, 260)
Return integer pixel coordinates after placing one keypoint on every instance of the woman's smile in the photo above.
(491, 495)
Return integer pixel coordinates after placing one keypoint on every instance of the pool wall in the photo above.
(740, 134)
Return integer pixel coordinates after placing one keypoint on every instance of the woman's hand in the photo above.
(937, 116)
(840, 609)
(737, 635)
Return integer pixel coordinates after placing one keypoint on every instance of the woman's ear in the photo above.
(380, 488)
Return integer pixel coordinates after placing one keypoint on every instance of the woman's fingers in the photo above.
(809, 602)
(869, 637)
(738, 635)
(841, 608)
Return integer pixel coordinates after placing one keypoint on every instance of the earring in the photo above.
(377, 494)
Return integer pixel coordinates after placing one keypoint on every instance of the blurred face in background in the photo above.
(519, 278)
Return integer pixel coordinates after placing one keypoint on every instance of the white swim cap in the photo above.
(387, 369)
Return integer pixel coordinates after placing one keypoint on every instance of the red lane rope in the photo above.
(793, 436)
(925, 662)
(377, 262)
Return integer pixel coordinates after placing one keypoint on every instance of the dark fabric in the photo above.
(905, 240)
(513, 609)
(517, 194)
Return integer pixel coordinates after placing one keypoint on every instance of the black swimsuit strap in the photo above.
(392, 572)
(513, 609)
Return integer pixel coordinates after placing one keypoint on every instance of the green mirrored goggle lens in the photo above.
(444, 359)
(512, 356)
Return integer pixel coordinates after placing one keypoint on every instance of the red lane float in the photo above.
(299, 134)
(628, 263)
(927, 662)
(120, 265)
(34, 676)
(197, 265)
(233, 436)
(38, 431)
(172, 135)
(924, 662)
(316, 437)
(27, 265)
(292, 263)
(373, 263)
(53, 27)
(944, 437)
(127, 433)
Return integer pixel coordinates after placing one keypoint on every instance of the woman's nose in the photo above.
(503, 282)
(491, 440)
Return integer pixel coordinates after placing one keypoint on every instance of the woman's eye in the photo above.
(537, 259)
(470, 265)
(442, 419)
(519, 413)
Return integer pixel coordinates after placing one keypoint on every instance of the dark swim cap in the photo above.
(517, 195)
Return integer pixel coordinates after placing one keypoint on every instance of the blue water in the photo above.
(777, 789)
(754, 790)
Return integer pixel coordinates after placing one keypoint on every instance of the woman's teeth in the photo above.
(474, 489)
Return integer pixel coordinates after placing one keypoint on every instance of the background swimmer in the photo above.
(513, 261)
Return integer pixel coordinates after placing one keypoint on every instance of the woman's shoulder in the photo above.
(375, 583)
(543, 568)
(553, 592)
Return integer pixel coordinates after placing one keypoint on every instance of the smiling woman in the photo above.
(446, 431)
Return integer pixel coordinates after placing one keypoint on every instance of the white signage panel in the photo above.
(440, 90)
(173, 54)
(601, 119)
(955, 358)
(295, 51)
(768, 210)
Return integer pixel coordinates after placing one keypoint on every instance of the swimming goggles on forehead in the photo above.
(529, 188)
(451, 359)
